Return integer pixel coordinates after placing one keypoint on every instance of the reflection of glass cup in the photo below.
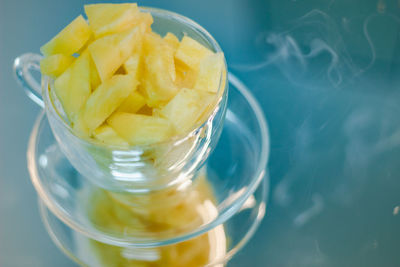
(137, 168)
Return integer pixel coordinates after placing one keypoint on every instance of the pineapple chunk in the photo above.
(73, 86)
(159, 71)
(111, 51)
(185, 76)
(55, 65)
(111, 18)
(190, 52)
(172, 41)
(210, 71)
(69, 40)
(140, 129)
(153, 44)
(132, 103)
(145, 19)
(102, 102)
(131, 66)
(186, 108)
(171, 154)
(151, 41)
(84, 48)
(94, 75)
(126, 68)
(107, 135)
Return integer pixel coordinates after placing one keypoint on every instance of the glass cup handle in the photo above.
(23, 67)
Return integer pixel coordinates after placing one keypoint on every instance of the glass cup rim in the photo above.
(47, 84)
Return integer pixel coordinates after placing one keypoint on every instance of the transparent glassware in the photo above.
(233, 171)
(236, 172)
(203, 186)
(136, 168)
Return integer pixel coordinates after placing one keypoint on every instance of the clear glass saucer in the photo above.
(234, 170)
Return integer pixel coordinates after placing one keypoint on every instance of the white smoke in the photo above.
(315, 40)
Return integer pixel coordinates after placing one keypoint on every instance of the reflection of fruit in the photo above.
(170, 210)
(54, 65)
(115, 62)
(69, 40)
(140, 129)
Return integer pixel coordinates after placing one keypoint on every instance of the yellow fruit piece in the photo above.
(94, 75)
(190, 52)
(111, 18)
(210, 73)
(172, 41)
(159, 71)
(172, 154)
(131, 66)
(111, 51)
(88, 42)
(73, 86)
(69, 40)
(145, 19)
(186, 108)
(108, 136)
(151, 41)
(153, 44)
(157, 85)
(185, 76)
(56, 64)
(132, 103)
(140, 129)
(104, 101)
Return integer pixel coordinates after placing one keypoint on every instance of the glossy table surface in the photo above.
(327, 74)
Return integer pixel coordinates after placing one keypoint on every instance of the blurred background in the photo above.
(327, 74)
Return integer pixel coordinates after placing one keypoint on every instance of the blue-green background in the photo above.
(326, 73)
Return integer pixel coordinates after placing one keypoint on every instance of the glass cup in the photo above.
(152, 204)
(86, 221)
(133, 169)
